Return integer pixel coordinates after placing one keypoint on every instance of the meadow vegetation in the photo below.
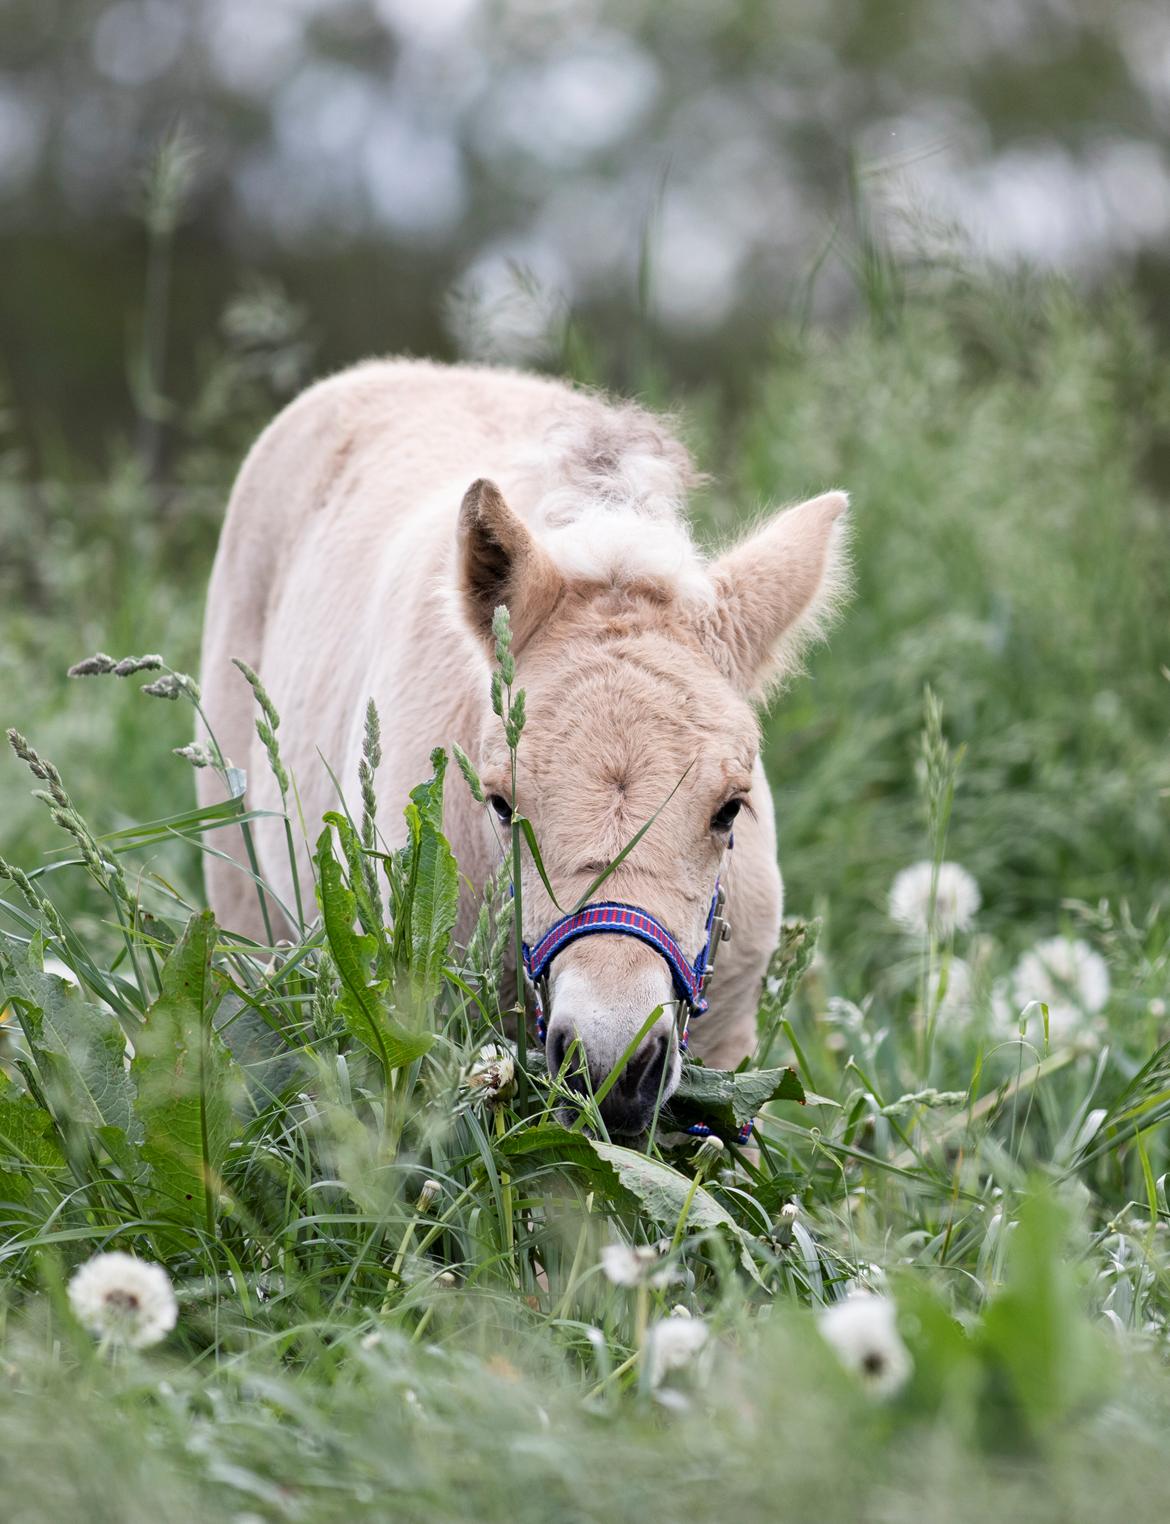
(404, 1287)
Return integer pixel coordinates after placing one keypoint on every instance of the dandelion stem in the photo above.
(680, 1226)
(619, 1370)
(253, 863)
(506, 1203)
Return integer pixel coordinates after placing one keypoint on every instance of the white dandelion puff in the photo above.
(863, 1333)
(672, 1344)
(124, 1300)
(626, 1265)
(623, 1265)
(956, 899)
(1066, 975)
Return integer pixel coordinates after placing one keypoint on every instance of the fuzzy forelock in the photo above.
(611, 486)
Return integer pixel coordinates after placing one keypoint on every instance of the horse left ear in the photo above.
(776, 591)
(500, 561)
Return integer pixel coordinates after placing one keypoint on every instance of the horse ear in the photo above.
(776, 592)
(500, 561)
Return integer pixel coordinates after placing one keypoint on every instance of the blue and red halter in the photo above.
(619, 919)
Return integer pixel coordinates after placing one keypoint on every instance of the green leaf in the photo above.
(435, 902)
(662, 1192)
(725, 1101)
(351, 846)
(362, 1003)
(550, 1137)
(1142, 1104)
(186, 1081)
(27, 1143)
(631, 1178)
(79, 1049)
(1046, 1359)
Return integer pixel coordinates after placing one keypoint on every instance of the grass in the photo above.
(352, 1340)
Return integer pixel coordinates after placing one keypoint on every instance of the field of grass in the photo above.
(399, 1281)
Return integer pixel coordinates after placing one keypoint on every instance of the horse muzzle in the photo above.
(586, 1043)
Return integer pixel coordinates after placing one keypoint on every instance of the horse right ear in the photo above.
(500, 561)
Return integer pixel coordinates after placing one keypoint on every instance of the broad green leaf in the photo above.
(632, 1178)
(364, 913)
(1047, 1358)
(725, 1101)
(435, 900)
(362, 1003)
(27, 1144)
(662, 1193)
(186, 1082)
(79, 1049)
(550, 1137)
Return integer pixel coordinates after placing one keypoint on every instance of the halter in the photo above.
(689, 980)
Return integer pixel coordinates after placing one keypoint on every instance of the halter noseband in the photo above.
(616, 917)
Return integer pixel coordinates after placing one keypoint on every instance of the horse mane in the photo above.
(611, 482)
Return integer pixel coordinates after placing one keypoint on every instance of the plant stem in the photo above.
(518, 927)
(506, 1194)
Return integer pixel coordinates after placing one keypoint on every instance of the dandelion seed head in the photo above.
(672, 1344)
(626, 1266)
(863, 1333)
(636, 1265)
(1066, 975)
(124, 1300)
(493, 1074)
(956, 899)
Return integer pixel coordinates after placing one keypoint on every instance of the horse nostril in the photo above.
(555, 1048)
(644, 1072)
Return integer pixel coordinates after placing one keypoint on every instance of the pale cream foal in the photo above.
(374, 528)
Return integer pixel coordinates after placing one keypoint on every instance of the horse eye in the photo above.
(723, 817)
(502, 808)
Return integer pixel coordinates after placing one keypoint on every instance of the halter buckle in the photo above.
(720, 933)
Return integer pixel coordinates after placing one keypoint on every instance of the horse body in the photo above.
(356, 561)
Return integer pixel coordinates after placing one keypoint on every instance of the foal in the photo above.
(375, 527)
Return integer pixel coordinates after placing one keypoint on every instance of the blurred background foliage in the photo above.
(673, 173)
